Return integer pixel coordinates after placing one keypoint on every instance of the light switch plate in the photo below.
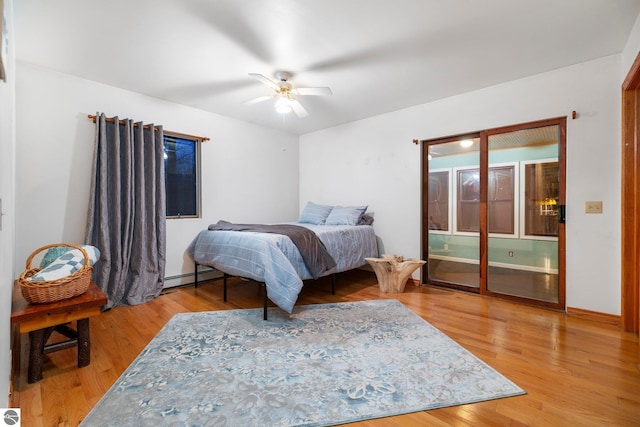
(593, 207)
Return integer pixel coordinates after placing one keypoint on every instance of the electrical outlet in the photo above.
(593, 207)
(511, 253)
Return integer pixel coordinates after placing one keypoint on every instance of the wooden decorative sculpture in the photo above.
(393, 271)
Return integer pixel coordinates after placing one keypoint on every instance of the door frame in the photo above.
(630, 194)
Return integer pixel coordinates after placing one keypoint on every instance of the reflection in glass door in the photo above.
(453, 203)
(523, 214)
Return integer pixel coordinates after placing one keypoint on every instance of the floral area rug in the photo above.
(325, 364)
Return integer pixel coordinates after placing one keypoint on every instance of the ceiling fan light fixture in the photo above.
(466, 143)
(283, 106)
(285, 94)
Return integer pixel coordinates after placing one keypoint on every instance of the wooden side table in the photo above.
(393, 271)
(40, 320)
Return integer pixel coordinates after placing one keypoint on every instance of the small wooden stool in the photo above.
(40, 320)
(393, 271)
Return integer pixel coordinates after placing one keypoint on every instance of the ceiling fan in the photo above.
(285, 94)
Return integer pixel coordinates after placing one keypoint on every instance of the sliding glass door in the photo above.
(493, 212)
(453, 206)
(523, 217)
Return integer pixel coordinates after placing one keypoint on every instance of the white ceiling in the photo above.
(376, 55)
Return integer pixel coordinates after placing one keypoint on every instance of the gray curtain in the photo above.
(126, 219)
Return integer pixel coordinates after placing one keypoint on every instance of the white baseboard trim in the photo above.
(204, 274)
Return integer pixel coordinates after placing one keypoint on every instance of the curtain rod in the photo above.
(201, 138)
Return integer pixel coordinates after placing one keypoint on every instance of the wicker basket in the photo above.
(55, 290)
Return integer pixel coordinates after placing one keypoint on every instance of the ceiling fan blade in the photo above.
(318, 91)
(258, 99)
(265, 80)
(298, 109)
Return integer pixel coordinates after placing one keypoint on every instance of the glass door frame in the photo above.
(483, 233)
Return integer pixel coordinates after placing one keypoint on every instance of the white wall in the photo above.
(7, 193)
(631, 49)
(249, 173)
(373, 161)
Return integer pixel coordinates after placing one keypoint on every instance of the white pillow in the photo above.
(67, 264)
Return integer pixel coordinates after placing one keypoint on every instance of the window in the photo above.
(439, 200)
(182, 176)
(468, 209)
(541, 189)
(500, 200)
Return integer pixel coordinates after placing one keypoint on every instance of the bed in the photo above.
(275, 261)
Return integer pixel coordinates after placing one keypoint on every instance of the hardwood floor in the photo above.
(576, 372)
